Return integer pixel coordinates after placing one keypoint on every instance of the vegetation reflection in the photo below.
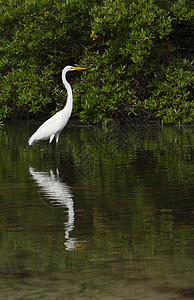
(128, 193)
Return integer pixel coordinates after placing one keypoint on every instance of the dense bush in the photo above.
(143, 63)
(38, 39)
(139, 57)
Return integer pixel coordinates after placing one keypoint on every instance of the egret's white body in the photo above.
(53, 126)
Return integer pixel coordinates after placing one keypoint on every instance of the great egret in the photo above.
(53, 126)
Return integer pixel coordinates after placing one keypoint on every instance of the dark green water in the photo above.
(113, 218)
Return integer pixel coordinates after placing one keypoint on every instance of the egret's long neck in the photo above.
(69, 103)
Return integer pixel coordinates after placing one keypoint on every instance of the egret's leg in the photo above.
(50, 141)
(47, 150)
(57, 139)
(51, 138)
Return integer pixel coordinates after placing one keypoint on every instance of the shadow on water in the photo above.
(111, 219)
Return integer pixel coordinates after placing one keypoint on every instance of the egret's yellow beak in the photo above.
(78, 68)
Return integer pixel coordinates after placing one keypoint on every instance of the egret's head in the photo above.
(70, 68)
(77, 68)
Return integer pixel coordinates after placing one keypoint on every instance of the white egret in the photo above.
(53, 126)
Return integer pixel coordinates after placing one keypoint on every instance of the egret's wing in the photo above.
(48, 128)
(50, 121)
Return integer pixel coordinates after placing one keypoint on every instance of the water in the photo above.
(111, 218)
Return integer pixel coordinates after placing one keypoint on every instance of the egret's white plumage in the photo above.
(53, 126)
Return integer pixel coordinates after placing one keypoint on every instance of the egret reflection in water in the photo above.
(59, 193)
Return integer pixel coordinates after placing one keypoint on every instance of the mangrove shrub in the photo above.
(139, 56)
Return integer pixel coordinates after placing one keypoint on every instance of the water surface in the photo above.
(111, 218)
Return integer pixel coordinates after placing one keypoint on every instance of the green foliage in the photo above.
(144, 61)
(107, 93)
(131, 27)
(38, 39)
(170, 92)
(139, 57)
